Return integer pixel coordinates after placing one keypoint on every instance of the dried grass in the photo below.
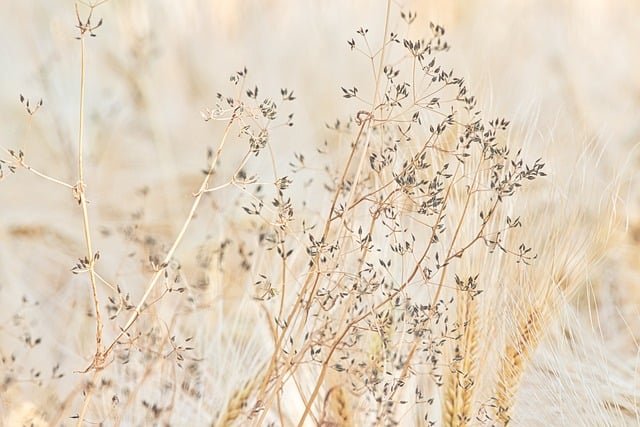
(415, 269)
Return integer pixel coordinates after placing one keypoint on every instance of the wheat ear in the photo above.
(336, 410)
(517, 354)
(237, 403)
(459, 388)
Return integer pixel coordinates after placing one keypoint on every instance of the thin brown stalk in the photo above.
(79, 191)
(312, 277)
(320, 379)
(160, 271)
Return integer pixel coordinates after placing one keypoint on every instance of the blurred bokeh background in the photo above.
(564, 72)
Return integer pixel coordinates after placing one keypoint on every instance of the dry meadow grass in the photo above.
(426, 227)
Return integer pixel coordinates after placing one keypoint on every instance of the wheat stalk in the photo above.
(459, 388)
(237, 403)
(336, 409)
(517, 354)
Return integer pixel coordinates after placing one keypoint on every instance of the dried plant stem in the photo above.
(311, 280)
(20, 160)
(357, 320)
(165, 262)
(89, 388)
(65, 404)
(80, 189)
(379, 75)
(313, 277)
(470, 193)
(79, 192)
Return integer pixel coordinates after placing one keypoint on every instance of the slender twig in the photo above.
(165, 262)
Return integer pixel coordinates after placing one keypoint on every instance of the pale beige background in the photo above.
(565, 72)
